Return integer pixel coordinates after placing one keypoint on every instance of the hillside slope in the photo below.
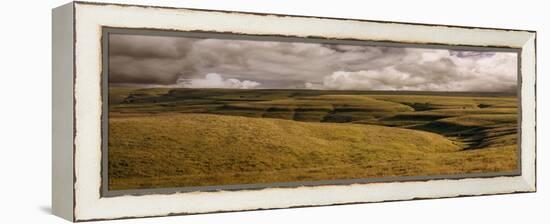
(177, 150)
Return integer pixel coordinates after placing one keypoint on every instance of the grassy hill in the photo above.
(196, 137)
(201, 149)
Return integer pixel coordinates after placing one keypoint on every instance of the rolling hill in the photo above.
(174, 150)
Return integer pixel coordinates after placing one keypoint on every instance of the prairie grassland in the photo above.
(199, 137)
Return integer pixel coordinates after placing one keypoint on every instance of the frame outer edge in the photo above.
(536, 114)
(535, 145)
(529, 70)
(62, 111)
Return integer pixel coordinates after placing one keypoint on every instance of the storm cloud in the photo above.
(223, 63)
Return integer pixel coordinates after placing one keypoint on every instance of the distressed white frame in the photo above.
(89, 20)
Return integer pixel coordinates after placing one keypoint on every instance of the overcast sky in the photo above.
(217, 63)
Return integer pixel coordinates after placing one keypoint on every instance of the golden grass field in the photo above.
(162, 138)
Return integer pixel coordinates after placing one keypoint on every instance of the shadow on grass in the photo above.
(473, 136)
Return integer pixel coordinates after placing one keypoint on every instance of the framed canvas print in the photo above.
(166, 111)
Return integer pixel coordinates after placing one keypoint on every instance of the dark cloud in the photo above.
(218, 63)
(149, 46)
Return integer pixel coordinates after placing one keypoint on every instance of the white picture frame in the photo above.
(77, 110)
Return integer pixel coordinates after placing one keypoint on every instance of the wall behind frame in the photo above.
(22, 204)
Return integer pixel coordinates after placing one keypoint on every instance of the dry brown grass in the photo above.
(178, 150)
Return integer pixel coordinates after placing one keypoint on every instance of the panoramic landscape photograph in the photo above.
(197, 112)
